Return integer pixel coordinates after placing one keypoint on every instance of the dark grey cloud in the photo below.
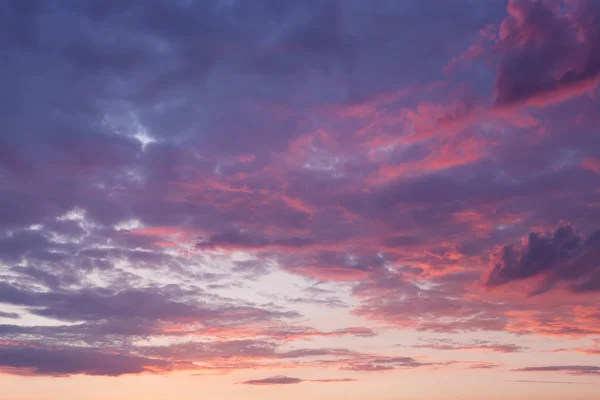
(559, 256)
(236, 238)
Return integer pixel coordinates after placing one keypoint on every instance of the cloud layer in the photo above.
(226, 186)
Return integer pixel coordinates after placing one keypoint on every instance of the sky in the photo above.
(316, 199)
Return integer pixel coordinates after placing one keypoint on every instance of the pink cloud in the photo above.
(550, 56)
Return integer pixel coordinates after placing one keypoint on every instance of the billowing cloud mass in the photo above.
(286, 192)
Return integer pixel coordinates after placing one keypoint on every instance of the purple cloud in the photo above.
(274, 380)
(185, 185)
(562, 255)
(567, 369)
(72, 360)
(549, 53)
(286, 380)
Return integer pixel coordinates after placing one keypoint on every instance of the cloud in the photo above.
(591, 164)
(392, 297)
(559, 256)
(332, 265)
(476, 345)
(285, 380)
(101, 304)
(181, 170)
(550, 55)
(333, 302)
(567, 369)
(588, 350)
(237, 239)
(300, 332)
(380, 364)
(113, 356)
(64, 361)
(274, 380)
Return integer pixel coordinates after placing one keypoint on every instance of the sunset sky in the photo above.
(299, 199)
